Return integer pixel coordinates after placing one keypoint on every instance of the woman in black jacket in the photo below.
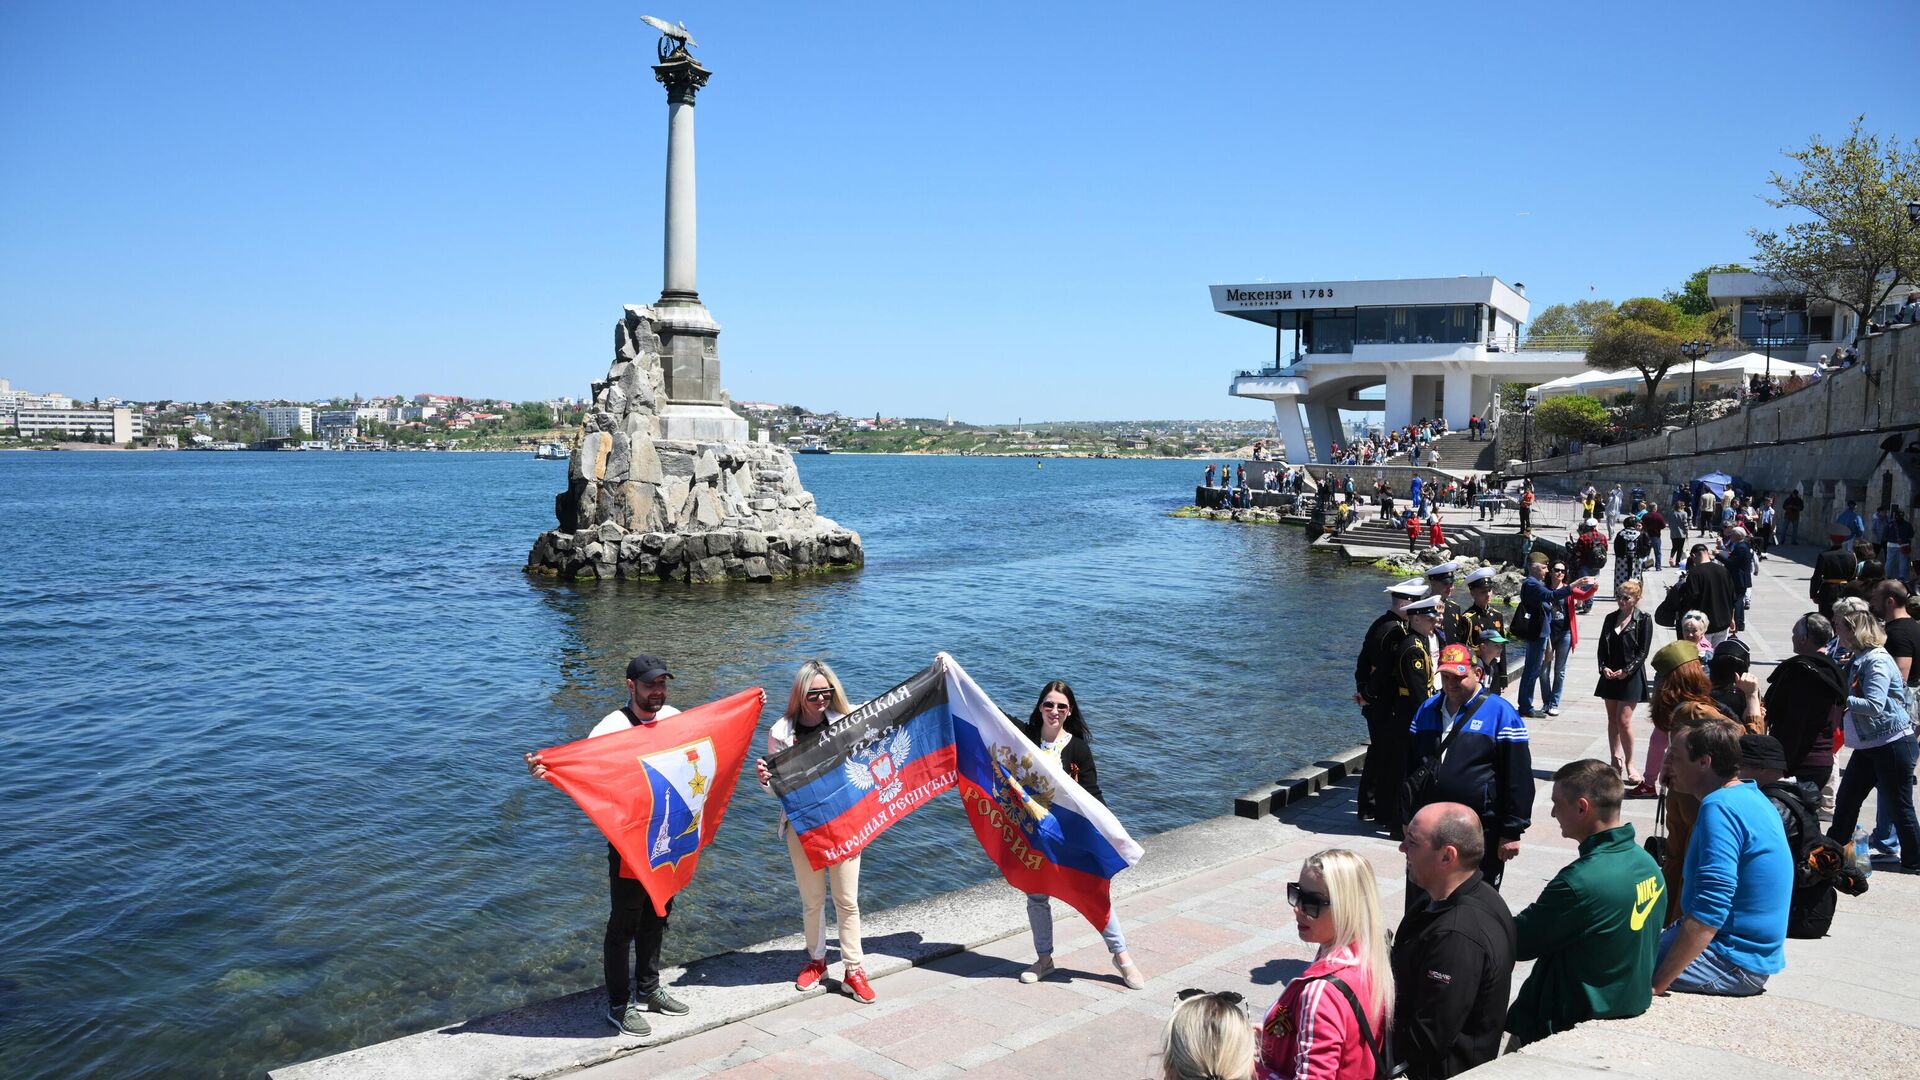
(1060, 732)
(1625, 637)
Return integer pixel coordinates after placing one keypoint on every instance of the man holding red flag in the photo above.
(658, 792)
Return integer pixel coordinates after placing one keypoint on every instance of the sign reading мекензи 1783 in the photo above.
(868, 770)
(1238, 295)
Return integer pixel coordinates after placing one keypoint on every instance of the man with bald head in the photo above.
(1453, 954)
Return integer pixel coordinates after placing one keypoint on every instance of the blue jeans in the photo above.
(1709, 974)
(1530, 671)
(1040, 921)
(1562, 647)
(1655, 538)
(1889, 770)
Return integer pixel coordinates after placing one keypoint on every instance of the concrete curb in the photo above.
(568, 1033)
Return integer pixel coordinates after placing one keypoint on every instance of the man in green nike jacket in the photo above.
(1596, 928)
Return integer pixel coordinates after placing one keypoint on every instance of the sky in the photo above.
(992, 210)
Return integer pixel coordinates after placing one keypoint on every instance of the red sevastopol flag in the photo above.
(658, 792)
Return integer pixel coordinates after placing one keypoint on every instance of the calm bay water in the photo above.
(262, 719)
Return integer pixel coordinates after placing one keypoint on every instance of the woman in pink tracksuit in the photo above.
(1313, 1031)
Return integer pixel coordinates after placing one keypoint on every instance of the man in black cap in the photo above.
(632, 925)
(1810, 912)
(1734, 686)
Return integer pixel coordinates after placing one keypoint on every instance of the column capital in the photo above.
(682, 75)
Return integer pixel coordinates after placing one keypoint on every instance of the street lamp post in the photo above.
(1693, 351)
(1526, 435)
(1769, 318)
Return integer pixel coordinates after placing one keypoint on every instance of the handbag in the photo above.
(1417, 790)
(1656, 842)
(1526, 622)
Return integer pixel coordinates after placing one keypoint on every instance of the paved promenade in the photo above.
(1205, 909)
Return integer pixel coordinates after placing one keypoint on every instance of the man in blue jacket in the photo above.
(1485, 765)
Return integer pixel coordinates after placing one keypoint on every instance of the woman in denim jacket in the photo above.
(1879, 731)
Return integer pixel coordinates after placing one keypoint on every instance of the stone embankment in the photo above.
(638, 506)
(1824, 440)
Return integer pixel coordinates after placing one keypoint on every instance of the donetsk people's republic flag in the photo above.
(658, 792)
(1041, 828)
(868, 770)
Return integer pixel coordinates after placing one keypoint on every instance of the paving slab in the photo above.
(1204, 908)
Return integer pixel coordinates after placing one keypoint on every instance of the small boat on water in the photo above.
(552, 451)
(813, 448)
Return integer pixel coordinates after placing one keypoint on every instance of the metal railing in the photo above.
(1557, 341)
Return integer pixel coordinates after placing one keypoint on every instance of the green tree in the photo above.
(1651, 312)
(1691, 298)
(1572, 416)
(1629, 343)
(1858, 242)
(1581, 319)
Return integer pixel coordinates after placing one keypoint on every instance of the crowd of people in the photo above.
(1415, 441)
(1738, 862)
(1743, 772)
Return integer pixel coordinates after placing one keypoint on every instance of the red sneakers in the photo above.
(855, 980)
(810, 975)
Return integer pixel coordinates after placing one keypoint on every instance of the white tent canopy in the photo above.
(1708, 375)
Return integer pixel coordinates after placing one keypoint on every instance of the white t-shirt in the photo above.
(618, 720)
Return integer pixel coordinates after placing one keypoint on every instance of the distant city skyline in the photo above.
(911, 211)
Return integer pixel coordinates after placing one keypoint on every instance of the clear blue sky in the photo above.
(996, 210)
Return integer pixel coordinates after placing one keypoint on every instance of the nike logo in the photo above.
(1647, 892)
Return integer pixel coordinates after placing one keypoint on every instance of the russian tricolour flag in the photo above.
(1043, 831)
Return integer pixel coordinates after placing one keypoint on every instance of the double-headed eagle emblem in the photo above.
(878, 761)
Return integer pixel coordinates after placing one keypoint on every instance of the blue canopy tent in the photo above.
(1717, 482)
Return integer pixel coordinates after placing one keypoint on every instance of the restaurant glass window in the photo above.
(1330, 330)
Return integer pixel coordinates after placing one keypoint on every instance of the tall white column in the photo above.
(1458, 390)
(1399, 399)
(1324, 418)
(679, 270)
(1293, 434)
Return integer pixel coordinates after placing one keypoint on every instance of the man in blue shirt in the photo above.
(1850, 519)
(1738, 881)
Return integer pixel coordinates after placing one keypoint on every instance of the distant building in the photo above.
(338, 423)
(283, 419)
(119, 426)
(1808, 327)
(1438, 347)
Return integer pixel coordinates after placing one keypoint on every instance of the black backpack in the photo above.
(1816, 862)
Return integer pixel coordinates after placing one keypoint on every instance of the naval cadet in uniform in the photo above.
(1440, 584)
(1479, 618)
(1409, 681)
(1373, 686)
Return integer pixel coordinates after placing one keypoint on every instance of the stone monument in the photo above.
(664, 483)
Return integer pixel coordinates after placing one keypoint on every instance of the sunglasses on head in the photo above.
(1312, 905)
(1228, 996)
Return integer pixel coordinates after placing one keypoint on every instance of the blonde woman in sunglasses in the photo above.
(1332, 1020)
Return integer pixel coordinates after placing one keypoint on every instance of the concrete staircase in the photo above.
(1371, 538)
(1460, 454)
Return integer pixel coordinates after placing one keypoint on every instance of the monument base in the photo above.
(685, 422)
(642, 504)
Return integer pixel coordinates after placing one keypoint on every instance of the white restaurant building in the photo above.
(1439, 347)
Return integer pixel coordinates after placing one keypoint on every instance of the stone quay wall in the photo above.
(1823, 440)
(638, 506)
